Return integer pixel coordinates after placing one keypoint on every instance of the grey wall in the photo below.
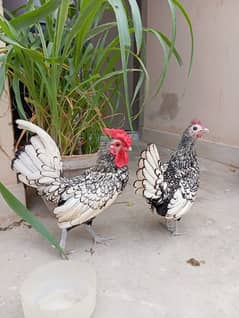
(211, 93)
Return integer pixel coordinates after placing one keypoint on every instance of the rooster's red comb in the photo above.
(119, 134)
(196, 122)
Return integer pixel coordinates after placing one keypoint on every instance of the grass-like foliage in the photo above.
(73, 64)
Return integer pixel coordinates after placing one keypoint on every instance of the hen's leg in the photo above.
(96, 238)
(172, 227)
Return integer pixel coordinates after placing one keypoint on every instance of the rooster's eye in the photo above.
(195, 128)
(117, 144)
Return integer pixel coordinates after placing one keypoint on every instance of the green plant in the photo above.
(72, 65)
(27, 216)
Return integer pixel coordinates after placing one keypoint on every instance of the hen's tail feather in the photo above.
(150, 182)
(39, 163)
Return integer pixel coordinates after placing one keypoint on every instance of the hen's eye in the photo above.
(195, 128)
(117, 144)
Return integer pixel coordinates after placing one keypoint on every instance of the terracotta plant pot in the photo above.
(75, 164)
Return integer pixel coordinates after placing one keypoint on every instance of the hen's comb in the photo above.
(119, 134)
(196, 122)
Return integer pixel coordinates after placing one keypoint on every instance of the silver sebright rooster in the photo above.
(171, 188)
(80, 199)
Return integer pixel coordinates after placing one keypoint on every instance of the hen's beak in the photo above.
(201, 132)
(204, 130)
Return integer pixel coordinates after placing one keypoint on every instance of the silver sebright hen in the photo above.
(171, 188)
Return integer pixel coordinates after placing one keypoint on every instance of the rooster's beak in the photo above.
(128, 149)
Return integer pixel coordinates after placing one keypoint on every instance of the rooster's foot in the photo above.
(69, 252)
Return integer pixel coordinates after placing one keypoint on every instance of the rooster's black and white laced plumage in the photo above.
(80, 199)
(170, 188)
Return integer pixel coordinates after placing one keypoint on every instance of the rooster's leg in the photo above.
(96, 238)
(62, 242)
(63, 239)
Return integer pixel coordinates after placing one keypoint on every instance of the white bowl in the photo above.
(62, 289)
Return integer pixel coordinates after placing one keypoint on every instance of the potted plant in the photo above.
(70, 65)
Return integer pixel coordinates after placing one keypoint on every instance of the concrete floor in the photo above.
(144, 272)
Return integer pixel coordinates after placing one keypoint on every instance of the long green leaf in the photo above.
(7, 28)
(34, 16)
(78, 27)
(33, 53)
(185, 14)
(125, 43)
(42, 39)
(174, 28)
(100, 29)
(122, 22)
(138, 28)
(27, 216)
(3, 60)
(144, 77)
(79, 30)
(168, 43)
(16, 89)
(175, 52)
(113, 74)
(165, 60)
(60, 25)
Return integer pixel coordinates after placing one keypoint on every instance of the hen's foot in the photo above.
(97, 239)
(172, 227)
(102, 240)
(178, 233)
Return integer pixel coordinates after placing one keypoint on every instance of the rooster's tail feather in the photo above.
(38, 164)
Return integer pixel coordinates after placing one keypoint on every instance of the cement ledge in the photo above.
(222, 153)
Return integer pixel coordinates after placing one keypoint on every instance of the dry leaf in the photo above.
(194, 262)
